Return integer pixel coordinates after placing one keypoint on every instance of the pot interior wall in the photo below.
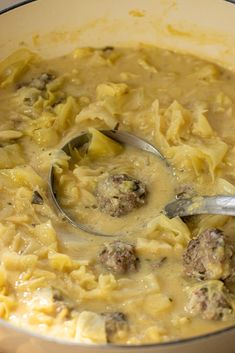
(202, 27)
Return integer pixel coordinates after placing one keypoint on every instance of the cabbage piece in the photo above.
(16, 65)
(102, 146)
(85, 278)
(96, 111)
(153, 248)
(178, 123)
(56, 84)
(46, 137)
(40, 319)
(47, 129)
(15, 262)
(3, 277)
(61, 164)
(68, 191)
(223, 187)
(210, 221)
(156, 303)
(7, 234)
(222, 103)
(214, 151)
(160, 127)
(54, 99)
(42, 130)
(150, 304)
(32, 279)
(87, 177)
(202, 128)
(45, 120)
(7, 304)
(66, 113)
(153, 334)
(143, 62)
(111, 89)
(22, 201)
(151, 283)
(161, 226)
(85, 52)
(6, 135)
(207, 73)
(107, 284)
(78, 186)
(20, 176)
(173, 125)
(46, 235)
(62, 262)
(42, 300)
(11, 156)
(90, 328)
(202, 157)
(179, 134)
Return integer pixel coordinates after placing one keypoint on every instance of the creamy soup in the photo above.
(155, 279)
(76, 190)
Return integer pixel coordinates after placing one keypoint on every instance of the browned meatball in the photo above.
(115, 324)
(119, 257)
(41, 81)
(210, 300)
(209, 256)
(62, 303)
(119, 194)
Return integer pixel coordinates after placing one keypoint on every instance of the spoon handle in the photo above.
(222, 204)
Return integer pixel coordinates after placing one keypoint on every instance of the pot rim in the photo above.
(67, 342)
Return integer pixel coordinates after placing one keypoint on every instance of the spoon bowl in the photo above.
(221, 204)
(79, 141)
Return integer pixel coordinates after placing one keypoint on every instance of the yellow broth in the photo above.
(51, 279)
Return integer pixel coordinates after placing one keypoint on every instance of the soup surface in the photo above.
(156, 279)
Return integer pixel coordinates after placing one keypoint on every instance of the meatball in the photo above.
(211, 300)
(119, 257)
(62, 304)
(115, 324)
(119, 194)
(209, 256)
(41, 81)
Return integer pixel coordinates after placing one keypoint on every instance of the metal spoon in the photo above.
(77, 142)
(224, 205)
(221, 204)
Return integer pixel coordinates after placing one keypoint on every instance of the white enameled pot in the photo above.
(205, 28)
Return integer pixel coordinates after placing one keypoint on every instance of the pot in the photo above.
(54, 27)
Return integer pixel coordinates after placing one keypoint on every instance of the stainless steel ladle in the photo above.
(222, 204)
(77, 142)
